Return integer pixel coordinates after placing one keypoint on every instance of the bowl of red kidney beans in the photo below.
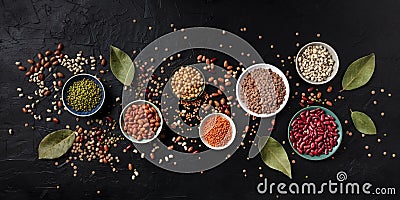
(315, 133)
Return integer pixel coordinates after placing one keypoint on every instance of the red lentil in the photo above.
(218, 131)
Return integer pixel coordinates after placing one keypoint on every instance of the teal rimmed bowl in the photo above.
(339, 127)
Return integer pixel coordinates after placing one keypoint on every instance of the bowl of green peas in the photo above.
(83, 95)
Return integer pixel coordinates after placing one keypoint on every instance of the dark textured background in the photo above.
(354, 29)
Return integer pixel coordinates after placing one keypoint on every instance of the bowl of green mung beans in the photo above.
(83, 95)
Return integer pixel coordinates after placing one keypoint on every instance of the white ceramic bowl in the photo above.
(265, 66)
(121, 121)
(334, 57)
(230, 122)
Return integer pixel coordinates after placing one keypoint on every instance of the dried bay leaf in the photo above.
(363, 123)
(359, 72)
(121, 65)
(56, 144)
(275, 157)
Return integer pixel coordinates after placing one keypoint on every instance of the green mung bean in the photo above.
(84, 95)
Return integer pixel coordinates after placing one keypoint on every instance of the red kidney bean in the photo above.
(314, 132)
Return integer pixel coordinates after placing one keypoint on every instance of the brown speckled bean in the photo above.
(141, 121)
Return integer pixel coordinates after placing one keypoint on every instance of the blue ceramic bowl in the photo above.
(68, 84)
(339, 140)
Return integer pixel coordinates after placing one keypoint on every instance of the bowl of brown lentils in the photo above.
(317, 63)
(187, 83)
(141, 121)
(262, 90)
(83, 95)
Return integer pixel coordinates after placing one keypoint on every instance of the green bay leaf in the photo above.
(359, 72)
(363, 123)
(275, 157)
(56, 144)
(121, 65)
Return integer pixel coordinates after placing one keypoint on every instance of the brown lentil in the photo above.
(260, 94)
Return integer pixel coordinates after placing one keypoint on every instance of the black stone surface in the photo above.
(353, 28)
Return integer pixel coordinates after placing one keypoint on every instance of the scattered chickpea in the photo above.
(318, 35)
(382, 114)
(369, 155)
(366, 147)
(373, 92)
(384, 153)
(382, 90)
(394, 155)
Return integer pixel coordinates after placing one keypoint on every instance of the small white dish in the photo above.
(122, 122)
(233, 128)
(334, 57)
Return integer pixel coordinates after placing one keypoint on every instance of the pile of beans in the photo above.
(260, 94)
(217, 131)
(316, 63)
(84, 95)
(187, 83)
(141, 121)
(314, 132)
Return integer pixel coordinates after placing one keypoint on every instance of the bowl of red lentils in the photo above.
(141, 121)
(217, 131)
